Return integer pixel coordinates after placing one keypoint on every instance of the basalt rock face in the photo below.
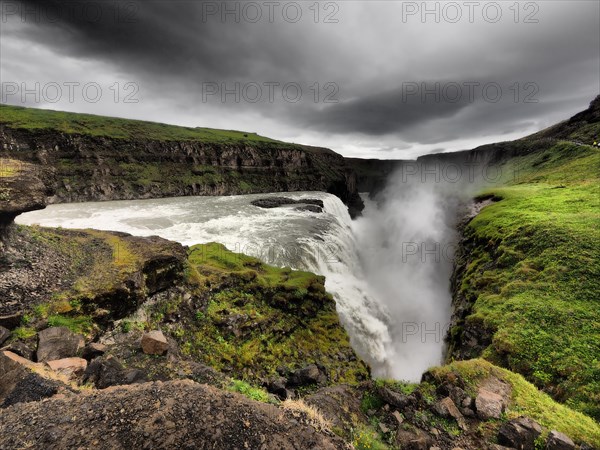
(95, 168)
(22, 189)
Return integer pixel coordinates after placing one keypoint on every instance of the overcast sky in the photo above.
(382, 79)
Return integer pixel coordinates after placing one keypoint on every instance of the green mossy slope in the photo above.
(252, 318)
(532, 271)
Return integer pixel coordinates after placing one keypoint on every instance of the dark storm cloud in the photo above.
(371, 55)
(384, 112)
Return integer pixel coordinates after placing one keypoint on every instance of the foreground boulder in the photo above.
(177, 414)
(154, 343)
(559, 441)
(58, 343)
(519, 433)
(70, 367)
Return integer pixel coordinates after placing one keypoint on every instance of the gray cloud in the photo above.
(171, 48)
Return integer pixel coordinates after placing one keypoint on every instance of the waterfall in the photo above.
(392, 303)
(318, 242)
(406, 245)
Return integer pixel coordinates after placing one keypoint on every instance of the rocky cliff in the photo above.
(96, 162)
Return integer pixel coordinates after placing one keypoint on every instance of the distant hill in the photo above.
(582, 128)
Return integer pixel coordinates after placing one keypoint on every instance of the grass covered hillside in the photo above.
(100, 126)
(529, 272)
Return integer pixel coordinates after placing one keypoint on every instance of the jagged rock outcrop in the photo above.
(111, 271)
(22, 189)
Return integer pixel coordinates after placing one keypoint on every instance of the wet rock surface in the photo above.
(307, 204)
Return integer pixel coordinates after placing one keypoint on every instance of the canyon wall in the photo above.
(79, 167)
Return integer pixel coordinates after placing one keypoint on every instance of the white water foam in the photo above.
(322, 243)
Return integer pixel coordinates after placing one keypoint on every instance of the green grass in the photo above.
(254, 318)
(114, 127)
(215, 258)
(526, 399)
(366, 438)
(533, 273)
(9, 167)
(398, 386)
(23, 332)
(77, 324)
(247, 390)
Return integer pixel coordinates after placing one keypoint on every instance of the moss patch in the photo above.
(527, 400)
(251, 318)
(533, 270)
(9, 167)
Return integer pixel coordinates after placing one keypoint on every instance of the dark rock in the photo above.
(310, 374)
(519, 433)
(58, 343)
(204, 374)
(559, 441)
(275, 202)
(93, 350)
(21, 349)
(11, 321)
(341, 405)
(394, 398)
(309, 208)
(4, 334)
(20, 384)
(104, 372)
(30, 388)
(277, 386)
(25, 188)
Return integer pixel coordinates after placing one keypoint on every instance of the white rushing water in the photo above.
(319, 242)
(392, 299)
(406, 244)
